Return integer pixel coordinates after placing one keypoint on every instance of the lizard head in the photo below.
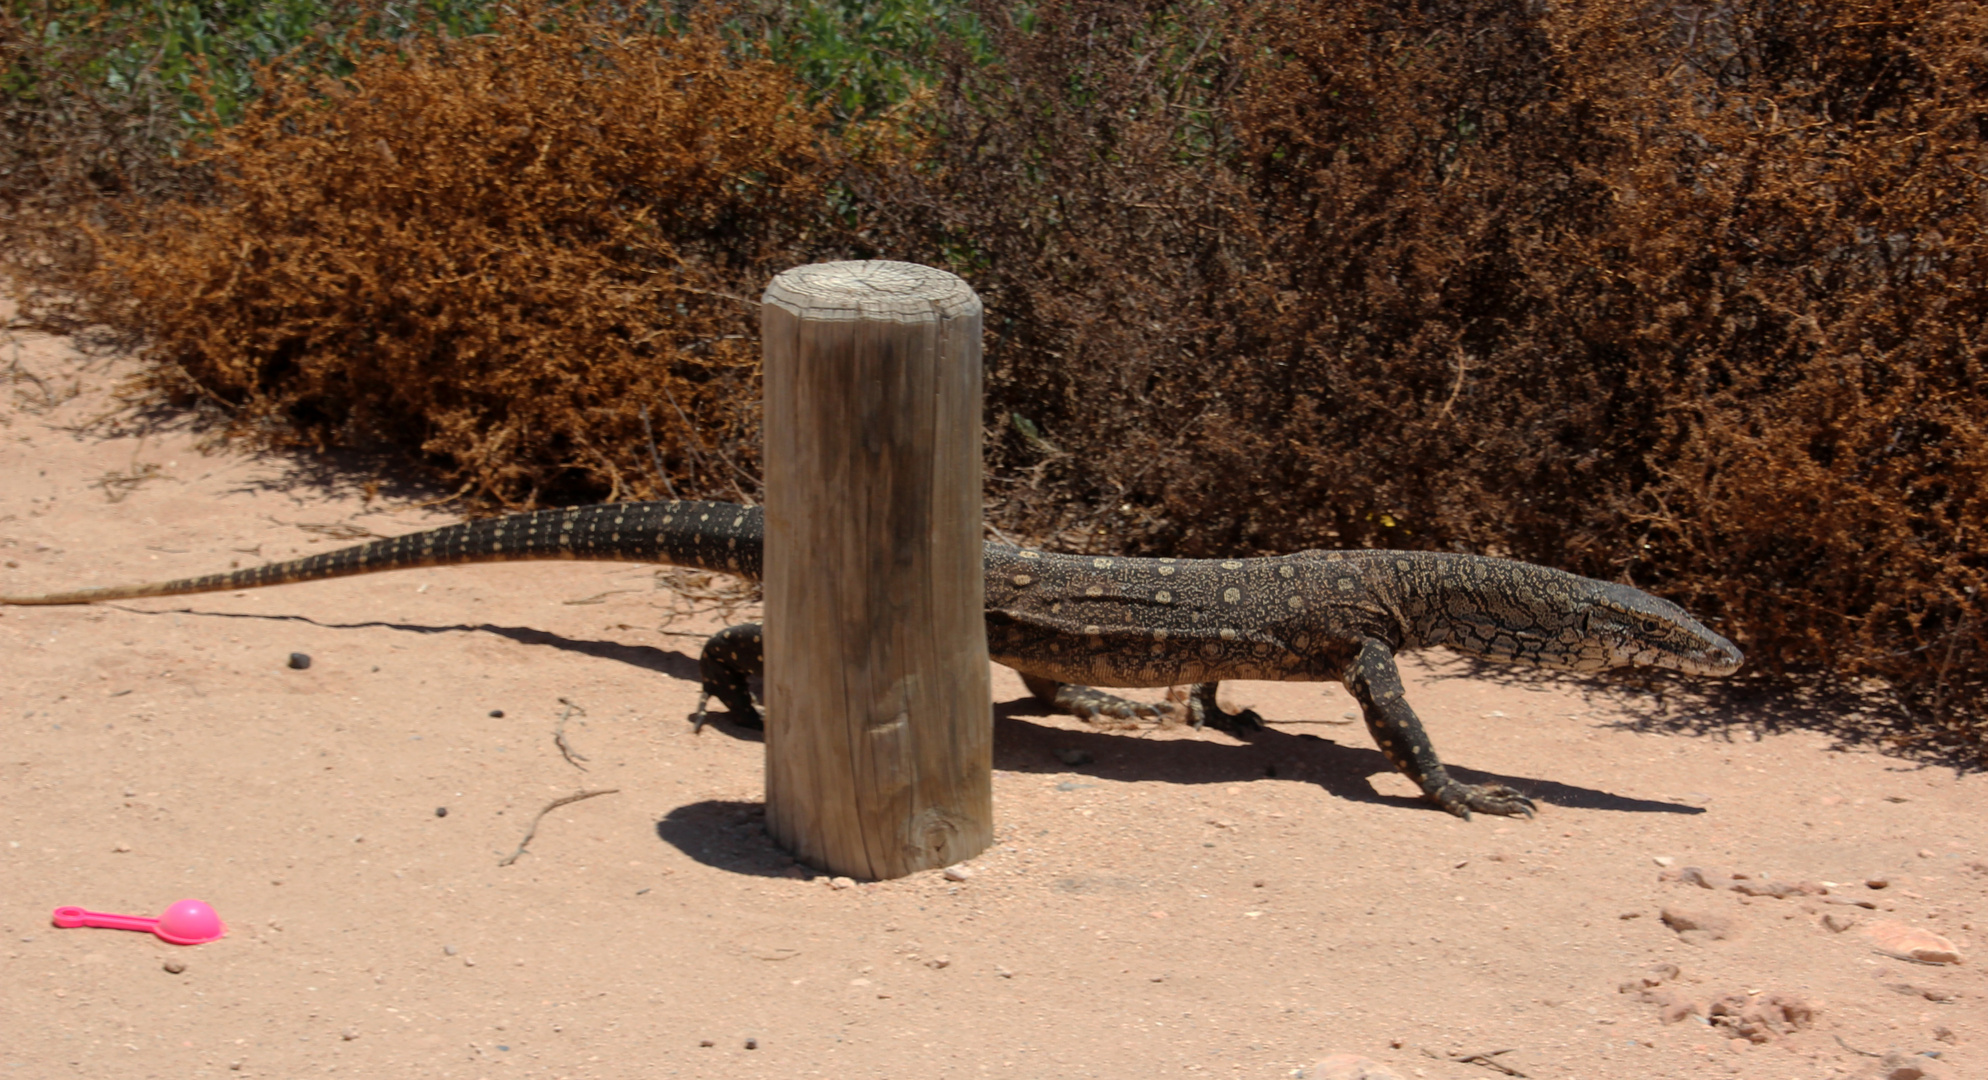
(1635, 629)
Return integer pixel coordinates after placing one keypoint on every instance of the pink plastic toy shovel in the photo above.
(188, 922)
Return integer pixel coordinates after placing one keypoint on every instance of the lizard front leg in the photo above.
(1376, 685)
(731, 656)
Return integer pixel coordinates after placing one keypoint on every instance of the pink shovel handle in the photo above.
(69, 917)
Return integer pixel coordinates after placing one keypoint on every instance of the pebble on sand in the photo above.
(1698, 927)
(299, 661)
(1895, 938)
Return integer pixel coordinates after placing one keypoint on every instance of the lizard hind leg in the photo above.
(731, 657)
(1090, 704)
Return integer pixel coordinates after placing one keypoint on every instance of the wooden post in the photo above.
(879, 734)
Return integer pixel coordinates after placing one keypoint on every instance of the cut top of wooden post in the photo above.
(900, 292)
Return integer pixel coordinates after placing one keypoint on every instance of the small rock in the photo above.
(1691, 875)
(1698, 927)
(498, 714)
(1349, 1067)
(939, 962)
(1837, 923)
(441, 811)
(448, 950)
(349, 1034)
(467, 962)
(841, 882)
(1673, 1006)
(1658, 975)
(1662, 860)
(1780, 890)
(1877, 883)
(707, 1042)
(174, 967)
(1069, 756)
(957, 872)
(1930, 993)
(1759, 1019)
(1895, 938)
(1945, 1034)
(120, 847)
(752, 1044)
(1898, 1065)
(299, 661)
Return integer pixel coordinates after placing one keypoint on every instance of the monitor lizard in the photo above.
(1069, 623)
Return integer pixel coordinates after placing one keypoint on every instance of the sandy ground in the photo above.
(1179, 904)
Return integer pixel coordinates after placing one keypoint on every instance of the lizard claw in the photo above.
(1461, 799)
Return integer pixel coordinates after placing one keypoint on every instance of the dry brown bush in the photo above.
(1684, 294)
(499, 253)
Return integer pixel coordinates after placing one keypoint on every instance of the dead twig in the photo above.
(118, 485)
(597, 598)
(1486, 1058)
(335, 530)
(549, 808)
(704, 595)
(1854, 1050)
(559, 736)
(655, 456)
(722, 456)
(1461, 362)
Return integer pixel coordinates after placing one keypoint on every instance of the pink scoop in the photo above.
(189, 922)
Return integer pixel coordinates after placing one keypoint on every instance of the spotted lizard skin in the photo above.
(1069, 623)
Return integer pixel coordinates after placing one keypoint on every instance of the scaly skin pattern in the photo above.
(1068, 623)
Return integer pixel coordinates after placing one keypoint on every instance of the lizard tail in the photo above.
(710, 536)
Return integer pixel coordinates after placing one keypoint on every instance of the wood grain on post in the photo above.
(879, 736)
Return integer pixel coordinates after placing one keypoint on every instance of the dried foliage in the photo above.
(1684, 294)
(522, 255)
(68, 143)
(1082, 183)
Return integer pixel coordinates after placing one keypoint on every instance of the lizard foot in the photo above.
(745, 714)
(1203, 711)
(1090, 704)
(1461, 799)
